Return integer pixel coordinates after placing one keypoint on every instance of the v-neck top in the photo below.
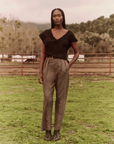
(57, 47)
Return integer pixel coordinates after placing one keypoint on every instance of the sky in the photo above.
(39, 11)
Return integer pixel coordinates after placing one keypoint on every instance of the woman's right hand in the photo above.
(40, 78)
(42, 59)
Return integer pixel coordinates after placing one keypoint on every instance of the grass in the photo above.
(88, 119)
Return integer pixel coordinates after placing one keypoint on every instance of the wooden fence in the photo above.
(91, 64)
(95, 63)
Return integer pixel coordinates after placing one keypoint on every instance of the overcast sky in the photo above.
(39, 11)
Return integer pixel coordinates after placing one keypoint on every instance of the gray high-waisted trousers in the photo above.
(55, 74)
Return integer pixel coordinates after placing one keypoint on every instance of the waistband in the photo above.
(55, 57)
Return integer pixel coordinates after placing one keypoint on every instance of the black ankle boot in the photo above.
(48, 135)
(56, 135)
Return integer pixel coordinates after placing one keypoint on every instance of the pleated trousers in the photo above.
(55, 75)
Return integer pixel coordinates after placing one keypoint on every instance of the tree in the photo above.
(91, 38)
(82, 27)
(101, 18)
(112, 16)
(102, 47)
(111, 32)
(18, 37)
(84, 47)
(105, 37)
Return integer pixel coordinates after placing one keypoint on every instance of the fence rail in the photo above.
(27, 64)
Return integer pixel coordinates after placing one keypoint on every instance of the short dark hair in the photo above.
(62, 12)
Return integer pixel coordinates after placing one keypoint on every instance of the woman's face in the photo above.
(57, 17)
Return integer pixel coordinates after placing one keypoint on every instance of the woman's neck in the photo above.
(58, 27)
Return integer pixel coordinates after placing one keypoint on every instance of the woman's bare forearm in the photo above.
(42, 59)
(76, 53)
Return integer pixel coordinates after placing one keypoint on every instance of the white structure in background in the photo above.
(3, 56)
(80, 58)
(18, 58)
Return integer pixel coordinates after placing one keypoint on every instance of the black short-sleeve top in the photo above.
(57, 47)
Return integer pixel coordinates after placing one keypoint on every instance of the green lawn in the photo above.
(89, 114)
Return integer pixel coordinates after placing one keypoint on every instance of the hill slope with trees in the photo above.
(95, 36)
(18, 37)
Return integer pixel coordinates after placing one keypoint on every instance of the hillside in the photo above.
(41, 26)
(99, 25)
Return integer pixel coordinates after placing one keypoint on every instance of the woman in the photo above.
(54, 71)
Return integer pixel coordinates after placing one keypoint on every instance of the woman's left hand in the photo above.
(40, 78)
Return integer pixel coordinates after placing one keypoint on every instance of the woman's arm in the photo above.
(42, 59)
(76, 53)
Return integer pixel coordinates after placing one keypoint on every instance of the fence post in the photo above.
(22, 66)
(110, 65)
